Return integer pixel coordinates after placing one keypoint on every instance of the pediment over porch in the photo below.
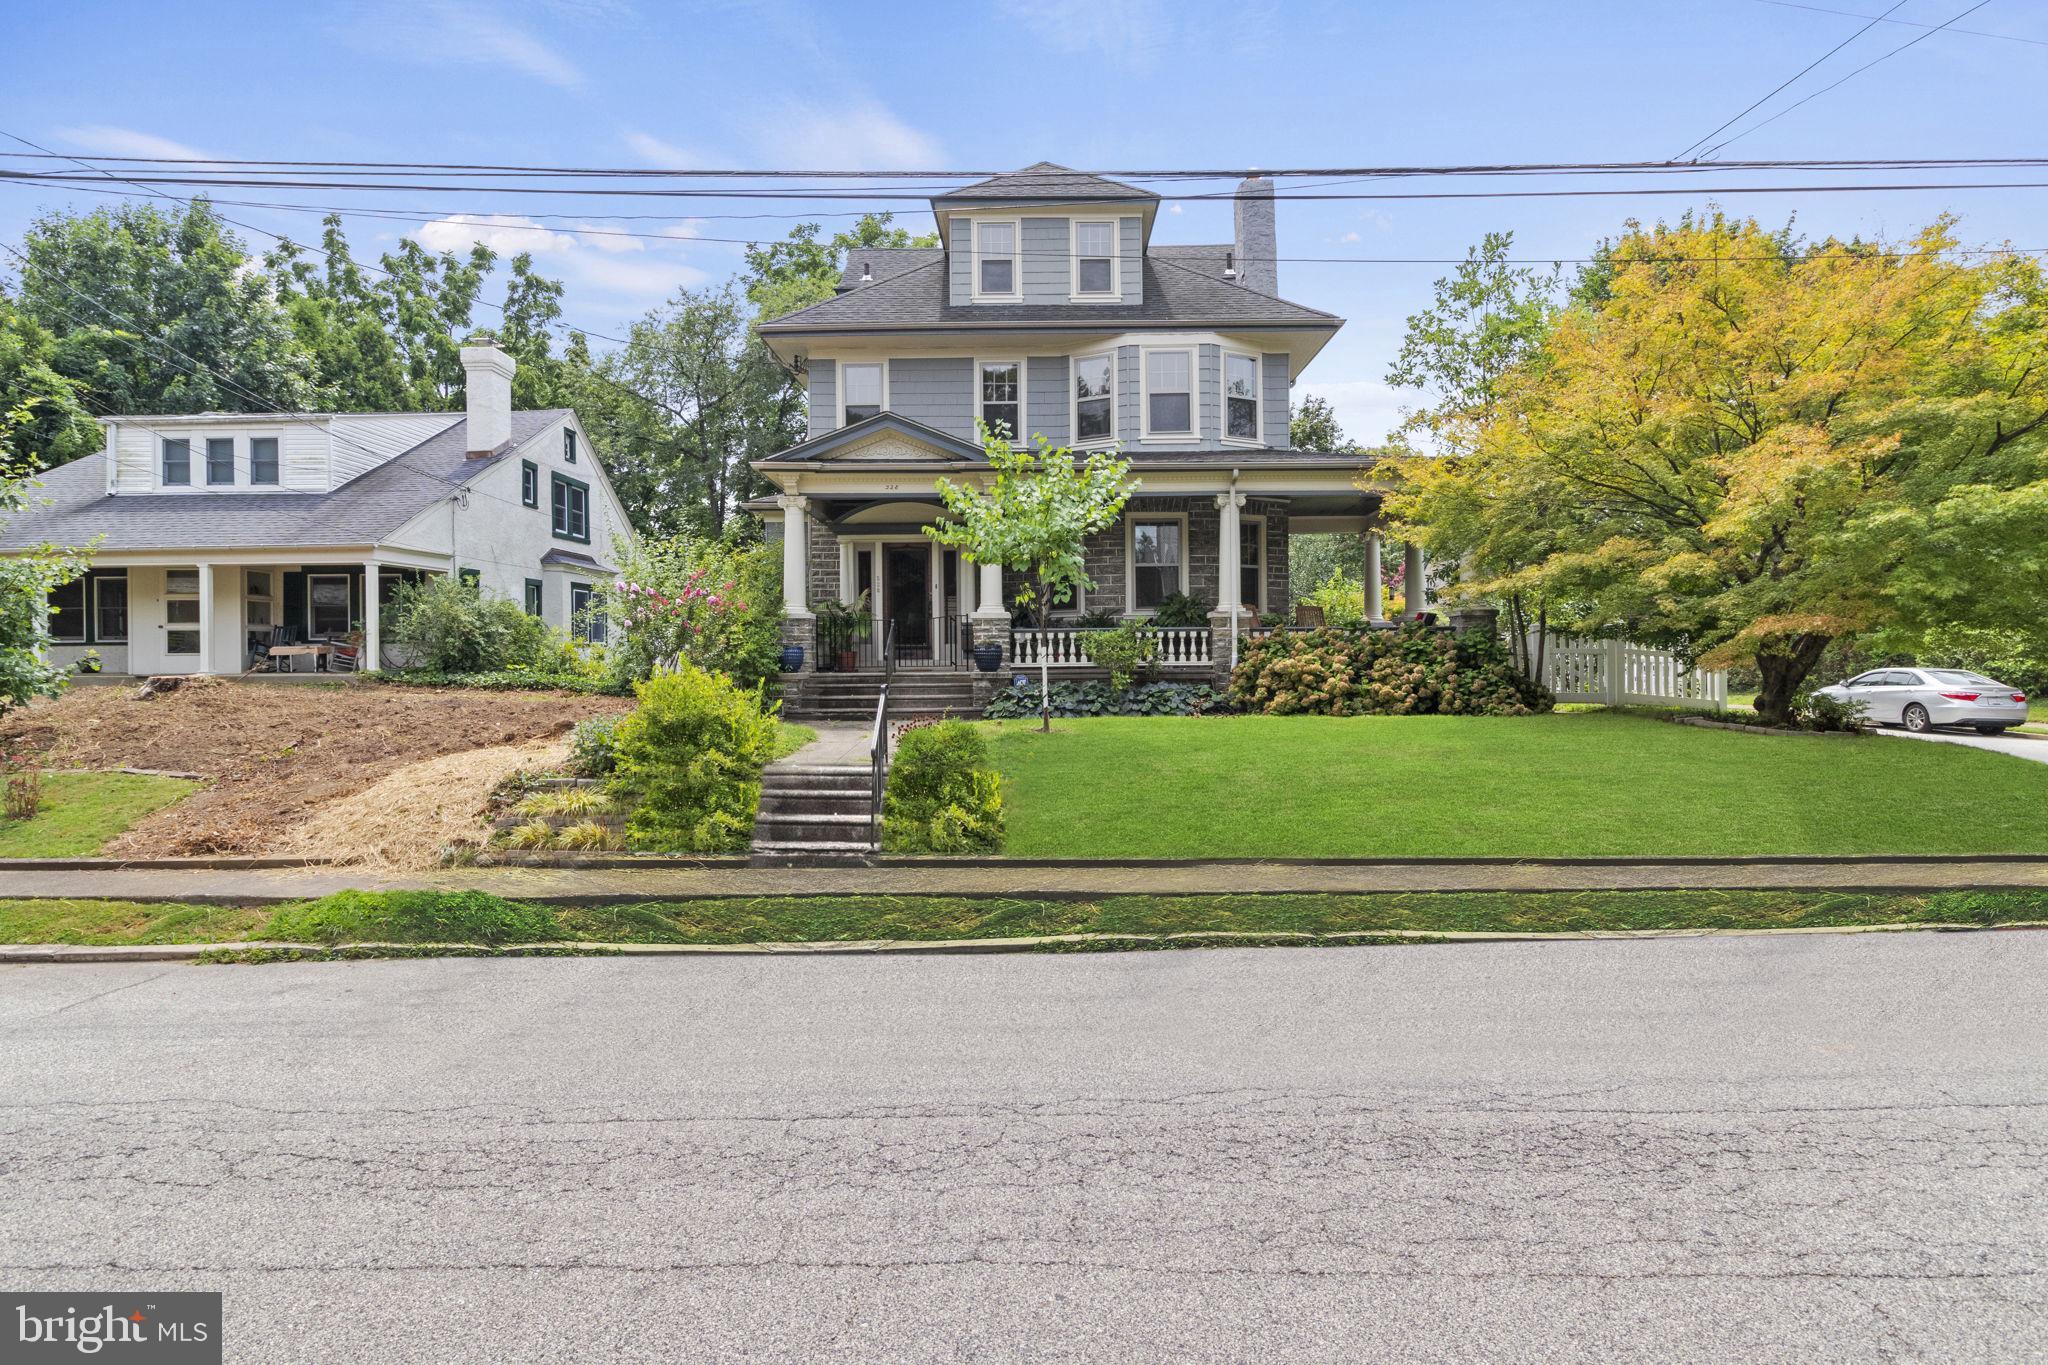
(887, 440)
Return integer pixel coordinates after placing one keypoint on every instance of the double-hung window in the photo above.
(220, 460)
(1169, 393)
(570, 506)
(67, 612)
(586, 613)
(110, 608)
(263, 459)
(1094, 398)
(1002, 397)
(1095, 259)
(863, 390)
(995, 260)
(1241, 397)
(177, 468)
(1158, 557)
(1251, 563)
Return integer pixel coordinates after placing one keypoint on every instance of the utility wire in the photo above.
(1911, 42)
(1690, 146)
(1911, 23)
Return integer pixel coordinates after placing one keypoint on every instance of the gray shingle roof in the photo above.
(885, 263)
(1175, 294)
(1043, 183)
(361, 512)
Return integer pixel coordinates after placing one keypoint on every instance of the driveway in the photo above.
(1713, 1149)
(2019, 746)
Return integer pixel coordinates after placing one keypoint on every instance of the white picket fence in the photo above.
(1066, 647)
(1622, 673)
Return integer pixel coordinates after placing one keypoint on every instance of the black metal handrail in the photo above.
(878, 741)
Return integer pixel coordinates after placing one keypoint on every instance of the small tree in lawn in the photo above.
(1036, 517)
(25, 583)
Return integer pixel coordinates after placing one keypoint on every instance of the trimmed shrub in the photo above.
(446, 626)
(593, 746)
(1129, 652)
(689, 761)
(1075, 699)
(942, 796)
(1408, 670)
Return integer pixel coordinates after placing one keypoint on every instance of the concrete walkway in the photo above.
(2034, 747)
(837, 746)
(598, 885)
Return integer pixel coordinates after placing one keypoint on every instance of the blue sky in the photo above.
(1112, 83)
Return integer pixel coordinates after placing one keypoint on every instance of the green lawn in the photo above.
(81, 811)
(1589, 784)
(476, 918)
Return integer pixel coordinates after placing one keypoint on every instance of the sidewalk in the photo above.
(599, 885)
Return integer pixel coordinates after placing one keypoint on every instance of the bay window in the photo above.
(1095, 258)
(995, 260)
(1241, 397)
(1002, 397)
(1094, 398)
(1169, 393)
(863, 385)
(1158, 560)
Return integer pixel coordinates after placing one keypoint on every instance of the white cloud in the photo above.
(1130, 34)
(1348, 237)
(858, 135)
(1173, 208)
(506, 234)
(657, 152)
(459, 33)
(105, 140)
(595, 262)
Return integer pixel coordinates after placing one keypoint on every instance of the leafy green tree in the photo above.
(1313, 425)
(1489, 317)
(26, 580)
(160, 311)
(804, 269)
(54, 424)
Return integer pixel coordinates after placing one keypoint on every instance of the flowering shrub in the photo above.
(715, 604)
(1409, 670)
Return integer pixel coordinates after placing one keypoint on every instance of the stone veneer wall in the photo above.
(824, 562)
(1108, 566)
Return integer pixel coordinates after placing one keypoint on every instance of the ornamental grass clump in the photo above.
(943, 794)
(1410, 670)
(689, 761)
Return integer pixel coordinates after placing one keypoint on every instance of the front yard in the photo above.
(82, 811)
(1572, 785)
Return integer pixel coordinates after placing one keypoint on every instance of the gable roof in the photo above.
(1176, 294)
(362, 511)
(949, 448)
(1042, 183)
(884, 263)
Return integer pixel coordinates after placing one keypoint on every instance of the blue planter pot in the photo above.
(792, 658)
(988, 658)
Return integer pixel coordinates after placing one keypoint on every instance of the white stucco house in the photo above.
(211, 531)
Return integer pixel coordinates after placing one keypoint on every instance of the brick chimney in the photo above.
(487, 374)
(1258, 243)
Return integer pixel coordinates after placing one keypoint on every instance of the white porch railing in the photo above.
(1623, 673)
(1065, 647)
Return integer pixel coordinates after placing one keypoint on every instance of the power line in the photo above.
(1911, 42)
(1911, 23)
(1899, 4)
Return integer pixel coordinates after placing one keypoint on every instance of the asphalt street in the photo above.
(1806, 1149)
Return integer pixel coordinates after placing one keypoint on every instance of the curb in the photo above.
(194, 864)
(28, 954)
(663, 861)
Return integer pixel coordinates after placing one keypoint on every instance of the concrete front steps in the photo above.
(851, 697)
(811, 812)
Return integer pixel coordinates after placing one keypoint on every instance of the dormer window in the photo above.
(177, 468)
(263, 459)
(863, 392)
(220, 460)
(1095, 259)
(995, 261)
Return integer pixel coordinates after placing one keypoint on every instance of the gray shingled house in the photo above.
(1049, 309)
(211, 532)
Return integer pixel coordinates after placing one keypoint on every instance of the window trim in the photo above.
(1020, 437)
(1074, 401)
(52, 613)
(1015, 256)
(1258, 398)
(1115, 292)
(1131, 520)
(529, 484)
(839, 387)
(536, 598)
(348, 586)
(94, 582)
(569, 445)
(1194, 391)
(592, 594)
(163, 462)
(277, 441)
(1250, 522)
(558, 479)
(230, 480)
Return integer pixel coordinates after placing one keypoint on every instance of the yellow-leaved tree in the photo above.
(1745, 447)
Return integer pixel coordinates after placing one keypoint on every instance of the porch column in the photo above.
(1375, 587)
(1229, 572)
(796, 594)
(206, 649)
(991, 592)
(373, 626)
(935, 591)
(1416, 582)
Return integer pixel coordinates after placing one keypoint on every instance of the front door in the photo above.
(907, 574)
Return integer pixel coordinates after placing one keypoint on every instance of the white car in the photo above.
(1922, 698)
